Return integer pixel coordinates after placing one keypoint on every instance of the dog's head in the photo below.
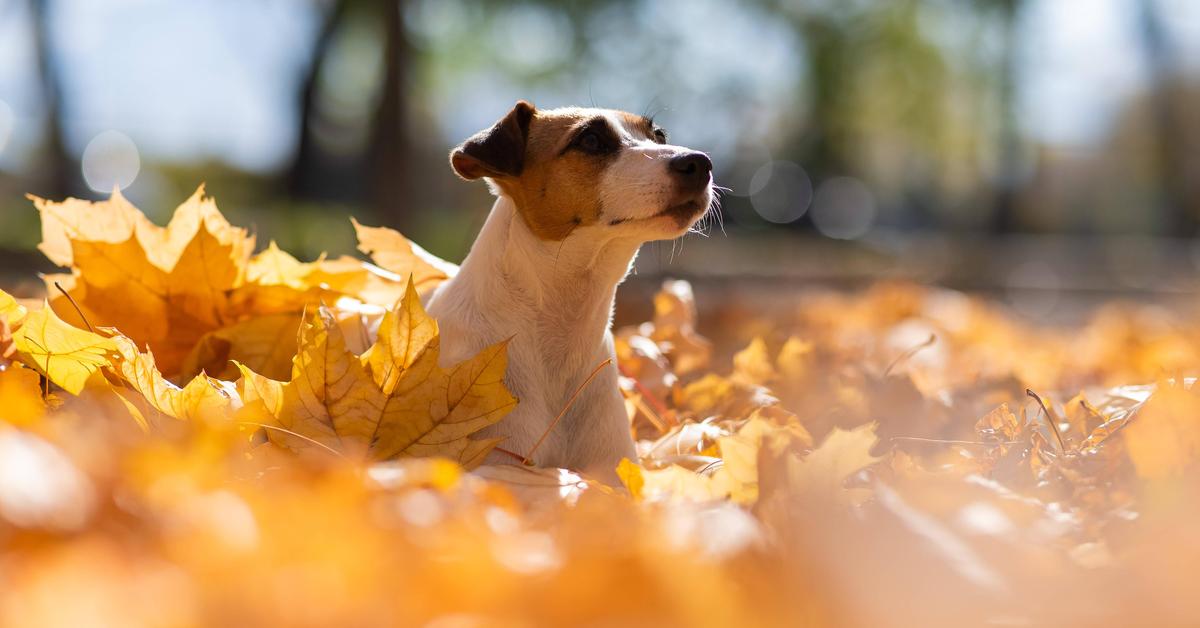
(600, 169)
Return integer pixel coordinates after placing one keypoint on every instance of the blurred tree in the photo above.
(1180, 186)
(877, 90)
(367, 159)
(1006, 183)
(62, 172)
(371, 168)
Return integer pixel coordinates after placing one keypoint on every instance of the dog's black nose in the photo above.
(692, 168)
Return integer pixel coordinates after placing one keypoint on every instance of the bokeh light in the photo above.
(844, 208)
(110, 160)
(780, 191)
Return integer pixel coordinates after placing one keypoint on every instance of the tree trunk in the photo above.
(388, 143)
(63, 178)
(1181, 194)
(1005, 183)
(302, 179)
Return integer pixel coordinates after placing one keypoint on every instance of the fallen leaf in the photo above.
(740, 451)
(753, 364)
(11, 310)
(163, 287)
(819, 478)
(630, 475)
(1163, 440)
(404, 334)
(265, 344)
(22, 397)
(201, 399)
(677, 483)
(66, 355)
(400, 255)
(674, 327)
(393, 401)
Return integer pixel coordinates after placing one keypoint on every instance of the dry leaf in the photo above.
(164, 287)
(731, 517)
(11, 311)
(202, 399)
(393, 401)
(400, 255)
(193, 292)
(21, 394)
(64, 354)
(674, 328)
(265, 344)
(820, 476)
(753, 364)
(1164, 440)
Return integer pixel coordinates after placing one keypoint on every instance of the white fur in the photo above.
(555, 301)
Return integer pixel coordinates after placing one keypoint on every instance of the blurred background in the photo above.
(1046, 151)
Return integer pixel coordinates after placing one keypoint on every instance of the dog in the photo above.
(578, 190)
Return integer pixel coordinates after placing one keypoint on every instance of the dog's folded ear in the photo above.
(498, 151)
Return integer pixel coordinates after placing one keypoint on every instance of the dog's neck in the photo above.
(558, 293)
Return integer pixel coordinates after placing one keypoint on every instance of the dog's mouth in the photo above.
(683, 213)
(687, 211)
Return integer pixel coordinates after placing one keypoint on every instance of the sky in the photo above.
(197, 79)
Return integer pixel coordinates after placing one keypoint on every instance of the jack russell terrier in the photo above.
(578, 192)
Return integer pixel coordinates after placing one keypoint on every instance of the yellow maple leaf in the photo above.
(192, 292)
(201, 399)
(66, 355)
(274, 266)
(113, 220)
(675, 327)
(404, 334)
(7, 348)
(676, 482)
(11, 310)
(265, 344)
(821, 475)
(393, 401)
(163, 287)
(794, 360)
(753, 364)
(396, 253)
(361, 280)
(11, 314)
(739, 472)
(1163, 439)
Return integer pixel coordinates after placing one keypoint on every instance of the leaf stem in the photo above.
(651, 398)
(78, 310)
(908, 354)
(1049, 420)
(570, 402)
(297, 435)
(511, 453)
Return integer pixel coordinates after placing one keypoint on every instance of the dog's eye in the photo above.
(589, 141)
(660, 135)
(596, 138)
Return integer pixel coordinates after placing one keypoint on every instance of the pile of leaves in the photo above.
(192, 433)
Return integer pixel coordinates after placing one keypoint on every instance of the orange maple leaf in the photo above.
(392, 401)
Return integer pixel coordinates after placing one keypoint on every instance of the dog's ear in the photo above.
(498, 151)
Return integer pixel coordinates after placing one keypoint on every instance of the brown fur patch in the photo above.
(558, 189)
(638, 124)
